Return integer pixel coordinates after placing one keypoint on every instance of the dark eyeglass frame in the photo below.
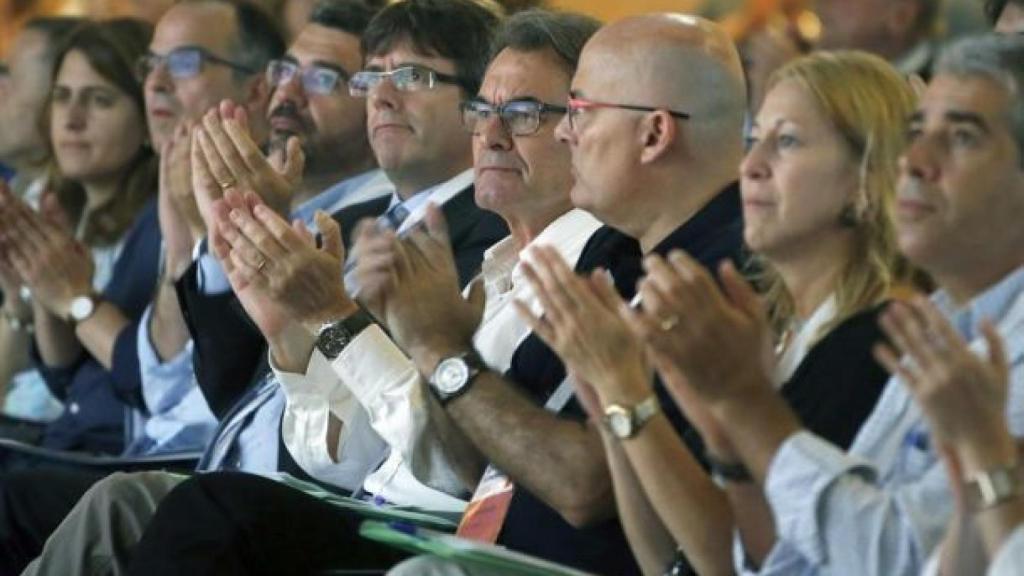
(150, 61)
(307, 75)
(5, 70)
(577, 103)
(538, 109)
(433, 78)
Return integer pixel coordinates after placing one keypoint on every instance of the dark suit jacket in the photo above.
(228, 347)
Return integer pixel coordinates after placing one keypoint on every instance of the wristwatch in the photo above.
(724, 472)
(625, 421)
(333, 337)
(452, 376)
(994, 486)
(82, 307)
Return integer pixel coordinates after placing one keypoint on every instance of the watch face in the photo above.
(620, 424)
(81, 308)
(451, 375)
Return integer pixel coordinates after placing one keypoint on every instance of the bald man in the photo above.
(655, 141)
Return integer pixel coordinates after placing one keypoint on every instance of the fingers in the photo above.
(242, 254)
(539, 325)
(282, 233)
(330, 233)
(996, 349)
(230, 156)
(437, 226)
(263, 232)
(739, 291)
(249, 155)
(294, 161)
(908, 331)
(218, 168)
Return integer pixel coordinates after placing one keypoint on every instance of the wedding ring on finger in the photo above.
(261, 265)
(669, 323)
(225, 186)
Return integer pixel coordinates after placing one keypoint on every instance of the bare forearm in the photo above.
(558, 460)
(55, 338)
(167, 329)
(691, 507)
(753, 518)
(460, 453)
(652, 544)
(99, 332)
(759, 423)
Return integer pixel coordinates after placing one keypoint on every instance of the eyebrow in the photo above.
(524, 98)
(962, 117)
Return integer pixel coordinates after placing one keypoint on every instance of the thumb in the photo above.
(294, 161)
(996, 350)
(477, 296)
(739, 291)
(53, 212)
(437, 226)
(330, 234)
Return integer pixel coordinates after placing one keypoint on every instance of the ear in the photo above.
(658, 132)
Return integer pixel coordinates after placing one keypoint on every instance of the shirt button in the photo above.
(74, 408)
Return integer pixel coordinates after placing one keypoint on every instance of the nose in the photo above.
(384, 96)
(755, 165)
(564, 132)
(919, 159)
(75, 117)
(293, 90)
(493, 134)
(159, 79)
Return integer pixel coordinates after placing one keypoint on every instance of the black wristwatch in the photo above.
(452, 376)
(723, 472)
(333, 337)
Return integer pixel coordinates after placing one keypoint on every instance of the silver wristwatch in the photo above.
(625, 421)
(992, 487)
(452, 376)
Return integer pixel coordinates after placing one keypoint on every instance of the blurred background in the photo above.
(745, 17)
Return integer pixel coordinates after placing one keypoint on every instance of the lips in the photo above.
(913, 209)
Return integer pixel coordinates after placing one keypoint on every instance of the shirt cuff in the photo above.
(800, 474)
(163, 383)
(210, 276)
(319, 378)
(1010, 556)
(371, 364)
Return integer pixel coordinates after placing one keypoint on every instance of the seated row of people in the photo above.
(601, 387)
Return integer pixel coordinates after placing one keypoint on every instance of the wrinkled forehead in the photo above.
(516, 75)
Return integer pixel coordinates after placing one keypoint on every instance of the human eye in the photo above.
(61, 95)
(785, 141)
(103, 99)
(964, 137)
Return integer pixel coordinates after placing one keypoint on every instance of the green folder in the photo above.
(445, 521)
(469, 553)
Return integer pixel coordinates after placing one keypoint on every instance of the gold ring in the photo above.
(261, 265)
(669, 323)
(225, 186)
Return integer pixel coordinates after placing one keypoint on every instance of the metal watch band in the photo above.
(994, 486)
(625, 421)
(333, 337)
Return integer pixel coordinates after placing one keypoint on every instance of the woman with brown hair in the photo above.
(89, 257)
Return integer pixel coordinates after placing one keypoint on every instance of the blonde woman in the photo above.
(818, 185)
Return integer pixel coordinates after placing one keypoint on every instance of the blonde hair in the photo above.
(868, 103)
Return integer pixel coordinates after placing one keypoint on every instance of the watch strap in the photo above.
(333, 337)
(475, 365)
(992, 487)
(723, 472)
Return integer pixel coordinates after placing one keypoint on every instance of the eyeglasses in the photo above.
(405, 79)
(576, 105)
(316, 79)
(5, 72)
(519, 117)
(184, 62)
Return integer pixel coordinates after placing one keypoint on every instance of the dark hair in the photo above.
(994, 8)
(460, 30)
(260, 39)
(350, 16)
(111, 47)
(564, 33)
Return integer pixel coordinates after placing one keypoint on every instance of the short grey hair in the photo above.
(535, 30)
(999, 58)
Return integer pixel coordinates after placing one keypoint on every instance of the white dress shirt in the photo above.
(386, 384)
(882, 508)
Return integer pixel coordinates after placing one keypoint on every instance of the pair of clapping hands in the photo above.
(38, 252)
(712, 346)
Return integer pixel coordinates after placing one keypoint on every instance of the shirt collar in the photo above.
(438, 194)
(328, 198)
(993, 304)
(720, 214)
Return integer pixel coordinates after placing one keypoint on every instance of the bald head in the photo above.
(673, 61)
